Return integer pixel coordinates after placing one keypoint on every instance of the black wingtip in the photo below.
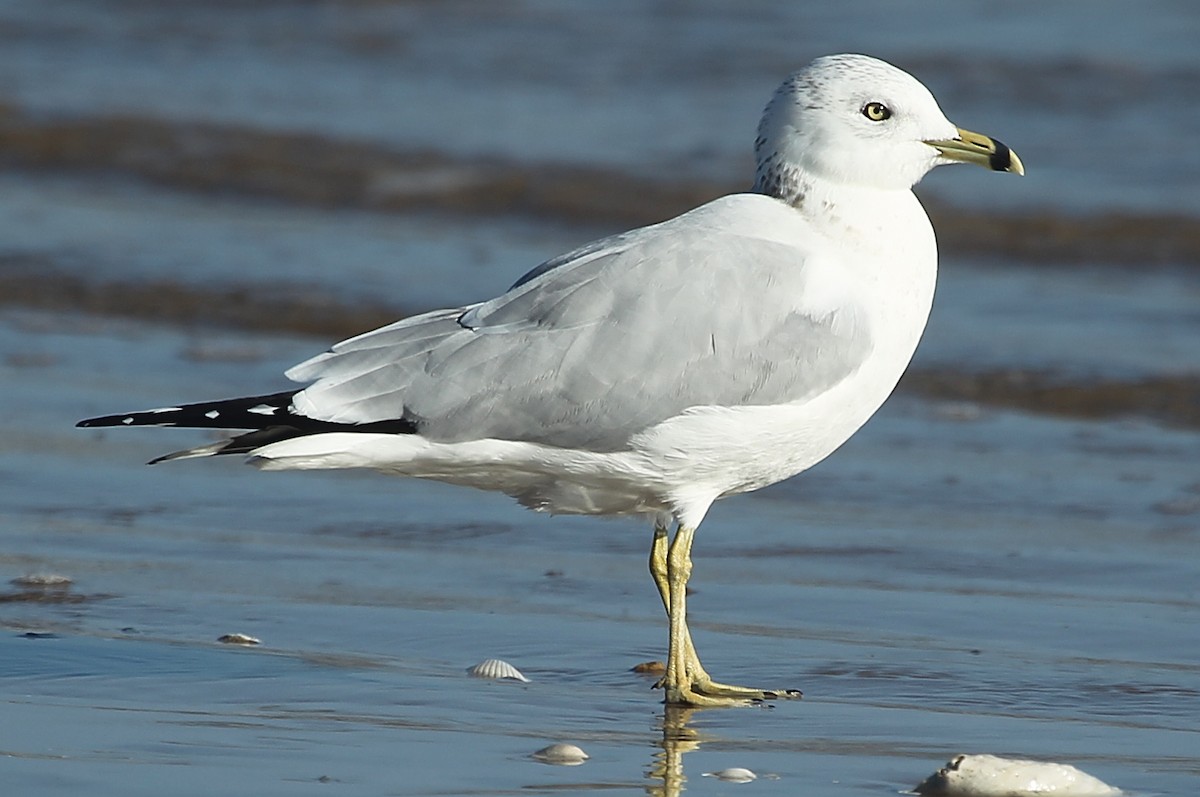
(162, 417)
(267, 416)
(248, 412)
(104, 420)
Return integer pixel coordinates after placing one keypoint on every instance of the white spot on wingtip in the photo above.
(212, 414)
(263, 409)
(127, 421)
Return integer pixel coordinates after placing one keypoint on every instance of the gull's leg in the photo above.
(683, 667)
(658, 570)
(677, 682)
(658, 564)
(686, 681)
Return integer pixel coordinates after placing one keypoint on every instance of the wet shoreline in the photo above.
(31, 283)
(308, 169)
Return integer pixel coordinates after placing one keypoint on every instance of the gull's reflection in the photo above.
(666, 770)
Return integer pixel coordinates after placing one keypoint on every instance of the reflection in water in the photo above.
(666, 770)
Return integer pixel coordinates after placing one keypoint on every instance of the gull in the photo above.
(653, 372)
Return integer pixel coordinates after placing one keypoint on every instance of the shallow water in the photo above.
(991, 582)
(624, 83)
(959, 578)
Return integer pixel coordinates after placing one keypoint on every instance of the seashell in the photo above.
(239, 639)
(992, 776)
(649, 668)
(566, 755)
(733, 775)
(42, 581)
(496, 669)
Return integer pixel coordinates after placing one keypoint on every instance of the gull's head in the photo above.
(856, 120)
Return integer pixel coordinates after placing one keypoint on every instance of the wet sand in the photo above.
(309, 169)
(984, 582)
(1027, 384)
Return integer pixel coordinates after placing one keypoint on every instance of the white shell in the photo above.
(42, 581)
(992, 776)
(733, 775)
(567, 755)
(496, 670)
(239, 639)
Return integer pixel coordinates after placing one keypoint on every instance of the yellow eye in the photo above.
(876, 111)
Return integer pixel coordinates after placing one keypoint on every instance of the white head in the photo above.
(856, 120)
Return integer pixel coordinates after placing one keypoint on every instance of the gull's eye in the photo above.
(876, 111)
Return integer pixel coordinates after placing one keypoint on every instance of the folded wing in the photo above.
(594, 347)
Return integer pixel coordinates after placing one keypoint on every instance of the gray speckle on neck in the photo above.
(779, 180)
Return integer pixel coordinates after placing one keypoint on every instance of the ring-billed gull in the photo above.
(653, 372)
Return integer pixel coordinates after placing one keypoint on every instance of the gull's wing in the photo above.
(592, 348)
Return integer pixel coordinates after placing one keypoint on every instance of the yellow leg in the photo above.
(686, 681)
(658, 569)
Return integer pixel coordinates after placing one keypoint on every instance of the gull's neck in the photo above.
(838, 208)
(892, 249)
(782, 181)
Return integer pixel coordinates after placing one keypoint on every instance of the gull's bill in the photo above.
(979, 149)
